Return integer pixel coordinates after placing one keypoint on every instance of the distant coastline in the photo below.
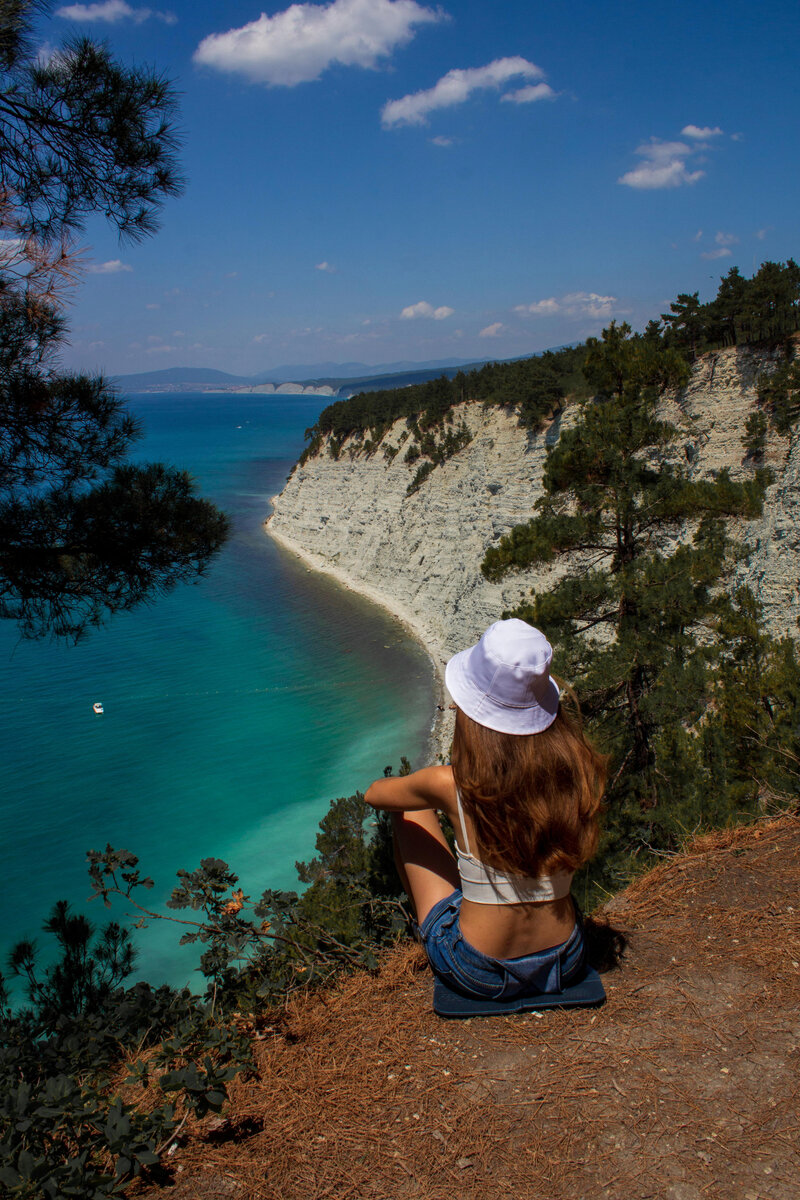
(337, 380)
(212, 389)
(271, 389)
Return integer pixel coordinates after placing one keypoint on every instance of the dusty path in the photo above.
(684, 1086)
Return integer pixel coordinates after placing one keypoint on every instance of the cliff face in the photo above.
(420, 555)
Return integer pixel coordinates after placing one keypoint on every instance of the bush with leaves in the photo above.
(778, 394)
(260, 950)
(64, 1130)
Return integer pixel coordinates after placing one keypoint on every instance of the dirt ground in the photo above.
(683, 1086)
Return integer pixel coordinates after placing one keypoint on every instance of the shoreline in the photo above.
(441, 733)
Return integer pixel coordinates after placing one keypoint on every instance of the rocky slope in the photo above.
(420, 555)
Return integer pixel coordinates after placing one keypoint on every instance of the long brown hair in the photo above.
(534, 799)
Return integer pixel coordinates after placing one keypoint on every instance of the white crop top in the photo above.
(483, 884)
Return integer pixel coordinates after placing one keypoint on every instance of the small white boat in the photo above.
(97, 707)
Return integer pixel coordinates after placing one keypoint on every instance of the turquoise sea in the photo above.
(235, 709)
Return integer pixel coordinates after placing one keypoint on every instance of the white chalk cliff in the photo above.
(420, 555)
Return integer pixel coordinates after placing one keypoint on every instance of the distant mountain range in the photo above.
(337, 376)
(337, 380)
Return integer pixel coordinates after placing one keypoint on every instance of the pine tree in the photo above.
(83, 533)
(641, 624)
(686, 322)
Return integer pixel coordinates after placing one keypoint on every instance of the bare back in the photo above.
(504, 930)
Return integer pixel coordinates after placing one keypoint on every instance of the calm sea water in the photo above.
(235, 708)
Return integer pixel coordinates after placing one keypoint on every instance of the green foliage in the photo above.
(755, 439)
(779, 396)
(84, 974)
(422, 474)
(64, 1130)
(436, 452)
(80, 133)
(83, 533)
(657, 651)
(262, 950)
(765, 308)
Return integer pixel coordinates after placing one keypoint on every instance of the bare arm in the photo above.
(432, 787)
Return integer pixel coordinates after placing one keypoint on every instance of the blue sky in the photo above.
(377, 180)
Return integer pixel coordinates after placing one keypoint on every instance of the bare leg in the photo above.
(424, 860)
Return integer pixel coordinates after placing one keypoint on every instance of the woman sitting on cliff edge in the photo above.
(523, 795)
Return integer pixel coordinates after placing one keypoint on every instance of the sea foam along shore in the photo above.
(441, 734)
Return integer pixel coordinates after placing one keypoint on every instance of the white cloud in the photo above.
(720, 252)
(112, 267)
(326, 267)
(441, 141)
(45, 54)
(724, 242)
(163, 349)
(423, 309)
(298, 44)
(111, 11)
(492, 330)
(454, 88)
(152, 307)
(573, 304)
(762, 233)
(588, 304)
(664, 166)
(701, 132)
(540, 308)
(698, 235)
(526, 95)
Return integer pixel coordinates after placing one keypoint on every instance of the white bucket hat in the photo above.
(503, 681)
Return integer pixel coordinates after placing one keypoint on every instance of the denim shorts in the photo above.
(473, 973)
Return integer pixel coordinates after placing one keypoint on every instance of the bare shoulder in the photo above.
(436, 782)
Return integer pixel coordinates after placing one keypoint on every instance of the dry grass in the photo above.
(683, 1086)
